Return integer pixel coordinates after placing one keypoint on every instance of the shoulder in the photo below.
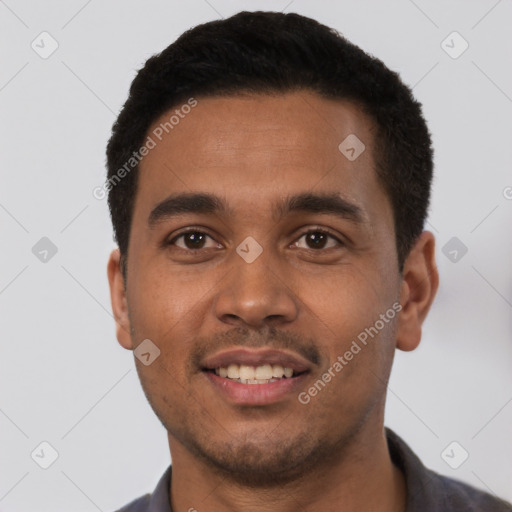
(430, 491)
(455, 495)
(138, 505)
(157, 501)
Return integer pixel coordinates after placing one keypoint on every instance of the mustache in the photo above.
(241, 337)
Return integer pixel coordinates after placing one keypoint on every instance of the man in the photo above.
(268, 185)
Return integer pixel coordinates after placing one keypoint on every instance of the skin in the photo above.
(252, 151)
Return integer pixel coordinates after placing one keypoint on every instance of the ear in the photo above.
(118, 300)
(420, 281)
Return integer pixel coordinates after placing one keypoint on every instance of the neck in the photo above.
(361, 477)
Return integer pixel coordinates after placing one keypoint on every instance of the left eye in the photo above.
(317, 239)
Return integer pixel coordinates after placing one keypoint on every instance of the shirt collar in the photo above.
(159, 501)
(421, 483)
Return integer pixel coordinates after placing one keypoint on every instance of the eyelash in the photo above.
(198, 231)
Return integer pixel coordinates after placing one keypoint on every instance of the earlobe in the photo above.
(420, 282)
(118, 300)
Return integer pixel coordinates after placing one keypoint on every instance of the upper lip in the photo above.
(256, 358)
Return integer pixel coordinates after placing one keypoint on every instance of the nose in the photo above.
(257, 293)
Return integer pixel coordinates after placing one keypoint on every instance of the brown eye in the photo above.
(192, 240)
(318, 239)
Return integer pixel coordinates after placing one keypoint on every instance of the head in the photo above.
(300, 167)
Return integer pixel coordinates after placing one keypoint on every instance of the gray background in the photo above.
(64, 378)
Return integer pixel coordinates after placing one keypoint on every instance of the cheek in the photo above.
(168, 310)
(346, 313)
(163, 310)
(345, 302)
(161, 301)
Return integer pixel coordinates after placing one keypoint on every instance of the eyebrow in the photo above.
(210, 204)
(322, 203)
(176, 205)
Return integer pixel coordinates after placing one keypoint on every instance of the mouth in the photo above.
(255, 378)
(262, 374)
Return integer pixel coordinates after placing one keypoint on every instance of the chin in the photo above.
(266, 463)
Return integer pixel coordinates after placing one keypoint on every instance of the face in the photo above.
(286, 258)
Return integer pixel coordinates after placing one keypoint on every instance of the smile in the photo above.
(262, 374)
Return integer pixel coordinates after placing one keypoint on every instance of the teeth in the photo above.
(254, 375)
(256, 381)
(246, 372)
(234, 371)
(288, 372)
(263, 372)
(277, 371)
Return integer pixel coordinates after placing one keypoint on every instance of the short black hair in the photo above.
(271, 52)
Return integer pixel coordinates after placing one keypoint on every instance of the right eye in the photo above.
(192, 240)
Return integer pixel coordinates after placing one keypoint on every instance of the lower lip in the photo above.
(256, 394)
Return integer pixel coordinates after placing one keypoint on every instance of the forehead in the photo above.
(258, 147)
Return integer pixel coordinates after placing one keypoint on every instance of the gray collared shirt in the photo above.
(427, 491)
